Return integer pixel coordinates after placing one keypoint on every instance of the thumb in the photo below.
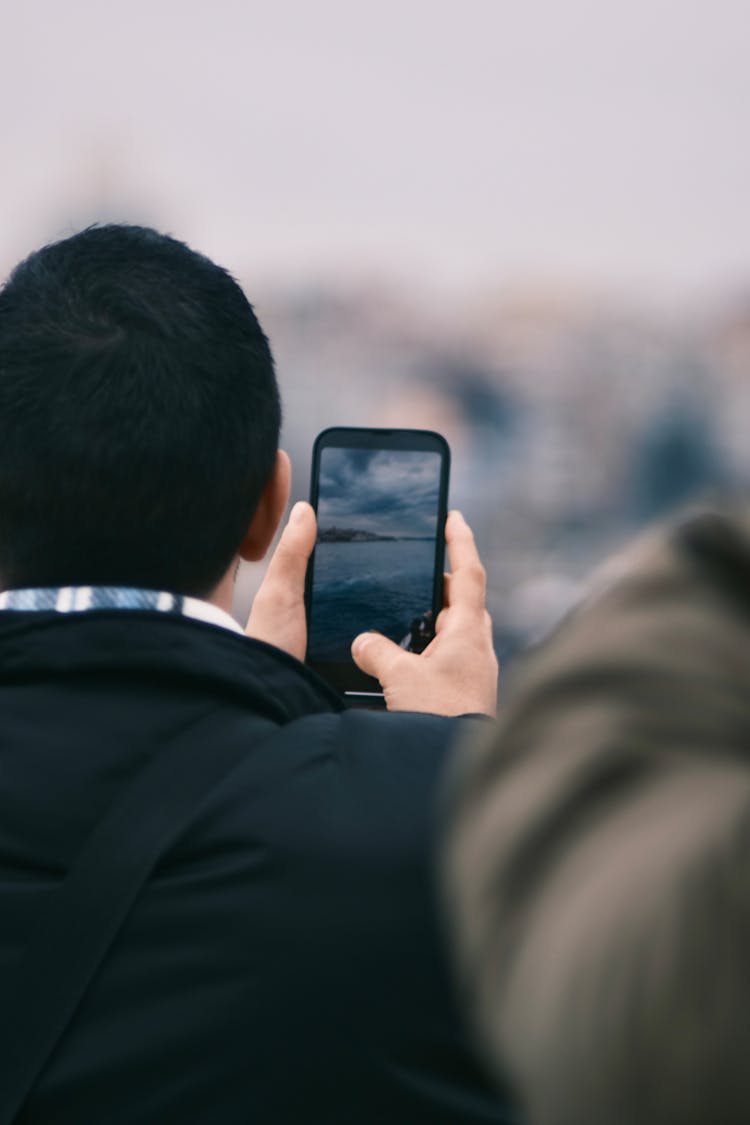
(288, 564)
(375, 655)
(278, 611)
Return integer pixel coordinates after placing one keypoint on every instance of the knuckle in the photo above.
(281, 596)
(392, 661)
(476, 572)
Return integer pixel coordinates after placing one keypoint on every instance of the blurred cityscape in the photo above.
(573, 420)
(442, 149)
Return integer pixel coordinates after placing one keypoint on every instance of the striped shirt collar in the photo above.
(84, 599)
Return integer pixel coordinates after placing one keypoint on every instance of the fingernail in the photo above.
(298, 512)
(457, 515)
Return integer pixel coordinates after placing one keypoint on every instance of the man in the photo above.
(282, 961)
(599, 846)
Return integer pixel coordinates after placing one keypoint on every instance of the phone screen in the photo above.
(378, 562)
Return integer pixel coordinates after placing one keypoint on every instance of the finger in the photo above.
(443, 618)
(375, 655)
(288, 565)
(468, 579)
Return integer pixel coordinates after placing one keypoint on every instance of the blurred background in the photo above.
(522, 225)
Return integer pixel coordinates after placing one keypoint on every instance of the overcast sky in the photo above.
(462, 143)
(387, 492)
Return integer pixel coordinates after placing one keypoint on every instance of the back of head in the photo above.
(139, 415)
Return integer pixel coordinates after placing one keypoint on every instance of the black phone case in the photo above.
(346, 677)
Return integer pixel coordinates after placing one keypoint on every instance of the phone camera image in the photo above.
(380, 513)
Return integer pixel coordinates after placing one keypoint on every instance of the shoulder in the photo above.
(387, 743)
(336, 785)
(607, 816)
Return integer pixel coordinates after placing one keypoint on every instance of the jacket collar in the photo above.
(42, 645)
(84, 599)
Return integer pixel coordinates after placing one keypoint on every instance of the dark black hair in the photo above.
(139, 414)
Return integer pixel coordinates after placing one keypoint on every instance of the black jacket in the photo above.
(283, 963)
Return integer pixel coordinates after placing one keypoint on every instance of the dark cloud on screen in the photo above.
(388, 492)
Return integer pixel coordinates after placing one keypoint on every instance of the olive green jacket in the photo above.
(597, 861)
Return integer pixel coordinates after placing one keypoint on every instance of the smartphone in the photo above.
(381, 499)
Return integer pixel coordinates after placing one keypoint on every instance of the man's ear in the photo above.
(271, 507)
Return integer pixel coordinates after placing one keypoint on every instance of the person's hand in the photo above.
(457, 672)
(278, 611)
